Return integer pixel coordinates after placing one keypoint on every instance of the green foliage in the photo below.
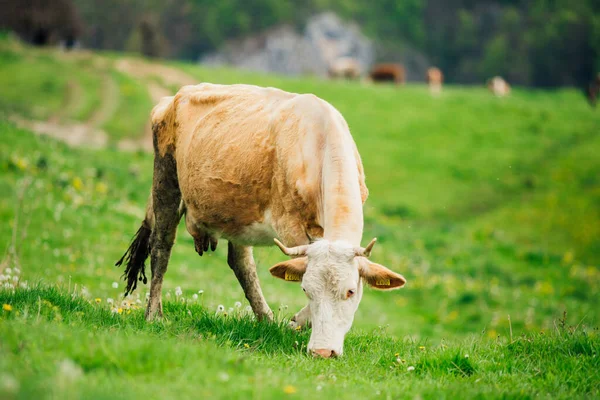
(538, 43)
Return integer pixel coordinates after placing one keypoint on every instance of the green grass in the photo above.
(133, 110)
(489, 207)
(87, 351)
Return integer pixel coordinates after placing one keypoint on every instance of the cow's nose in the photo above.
(325, 353)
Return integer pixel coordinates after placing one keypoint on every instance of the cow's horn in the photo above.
(297, 251)
(365, 252)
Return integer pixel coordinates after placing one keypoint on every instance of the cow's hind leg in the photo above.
(166, 199)
(242, 263)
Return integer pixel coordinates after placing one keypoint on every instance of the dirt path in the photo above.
(160, 81)
(152, 74)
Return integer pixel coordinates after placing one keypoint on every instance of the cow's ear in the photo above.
(290, 270)
(379, 277)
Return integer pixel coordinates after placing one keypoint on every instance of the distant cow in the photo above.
(434, 78)
(593, 90)
(250, 164)
(498, 86)
(345, 68)
(388, 73)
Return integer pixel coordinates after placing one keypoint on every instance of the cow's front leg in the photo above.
(301, 319)
(242, 263)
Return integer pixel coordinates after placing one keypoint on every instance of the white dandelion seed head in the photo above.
(115, 285)
(15, 278)
(220, 308)
(110, 301)
(195, 296)
(147, 295)
(2, 278)
(138, 301)
(178, 291)
(168, 295)
(200, 291)
(249, 309)
(8, 271)
(466, 356)
(23, 285)
(230, 310)
(411, 368)
(223, 376)
(238, 304)
(17, 271)
(114, 310)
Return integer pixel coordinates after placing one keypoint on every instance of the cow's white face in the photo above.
(330, 274)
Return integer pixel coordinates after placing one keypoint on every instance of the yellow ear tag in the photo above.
(383, 282)
(290, 276)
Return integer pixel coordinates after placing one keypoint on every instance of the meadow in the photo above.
(490, 207)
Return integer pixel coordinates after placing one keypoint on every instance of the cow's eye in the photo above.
(350, 293)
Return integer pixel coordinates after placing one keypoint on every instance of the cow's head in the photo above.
(330, 274)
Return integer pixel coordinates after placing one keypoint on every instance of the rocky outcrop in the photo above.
(325, 39)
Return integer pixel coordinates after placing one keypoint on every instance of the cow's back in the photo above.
(248, 160)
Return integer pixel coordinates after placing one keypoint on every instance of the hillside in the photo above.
(489, 207)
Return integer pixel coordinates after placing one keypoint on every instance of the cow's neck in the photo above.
(342, 214)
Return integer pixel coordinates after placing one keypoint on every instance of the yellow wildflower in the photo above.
(246, 345)
(299, 327)
(98, 300)
(7, 307)
(77, 183)
(422, 348)
(289, 389)
(101, 187)
(120, 310)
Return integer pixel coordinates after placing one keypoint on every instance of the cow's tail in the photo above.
(137, 253)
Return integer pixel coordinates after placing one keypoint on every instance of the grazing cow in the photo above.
(498, 86)
(250, 164)
(344, 68)
(593, 91)
(388, 73)
(434, 78)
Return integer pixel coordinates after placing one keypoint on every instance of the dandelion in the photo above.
(238, 304)
(6, 307)
(115, 285)
(113, 310)
(246, 345)
(220, 308)
(411, 368)
(125, 304)
(230, 310)
(8, 271)
(17, 271)
(422, 348)
(97, 300)
(224, 376)
(15, 278)
(195, 296)
(77, 183)
(200, 291)
(248, 309)
(178, 291)
(299, 327)
(466, 356)
(397, 355)
(3, 278)
(289, 389)
(120, 310)
(110, 301)
(319, 387)
(168, 295)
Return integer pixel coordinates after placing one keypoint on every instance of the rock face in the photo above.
(326, 38)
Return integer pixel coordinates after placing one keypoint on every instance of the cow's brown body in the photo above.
(388, 73)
